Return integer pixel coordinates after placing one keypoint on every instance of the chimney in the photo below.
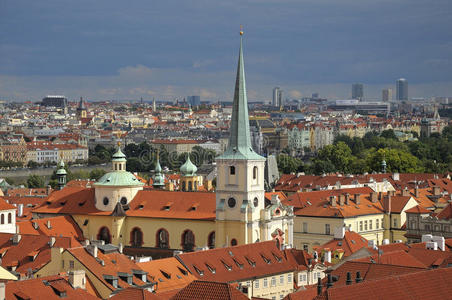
(349, 280)
(120, 248)
(328, 256)
(92, 249)
(333, 201)
(16, 239)
(341, 200)
(436, 190)
(358, 277)
(347, 199)
(77, 279)
(52, 241)
(416, 192)
(35, 225)
(49, 226)
(330, 281)
(387, 203)
(319, 286)
(373, 197)
(2, 291)
(48, 190)
(20, 210)
(357, 199)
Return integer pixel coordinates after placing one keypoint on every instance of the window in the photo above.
(71, 264)
(232, 170)
(273, 282)
(136, 237)
(377, 223)
(327, 229)
(281, 296)
(360, 225)
(256, 284)
(305, 247)
(162, 239)
(2, 219)
(289, 278)
(305, 227)
(427, 227)
(233, 242)
(446, 229)
(256, 202)
(382, 223)
(365, 225)
(188, 240)
(106, 201)
(10, 218)
(370, 224)
(183, 186)
(104, 235)
(265, 282)
(281, 279)
(123, 200)
(395, 222)
(255, 173)
(413, 224)
(190, 187)
(231, 202)
(211, 240)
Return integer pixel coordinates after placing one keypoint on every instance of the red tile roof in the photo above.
(418, 210)
(351, 243)
(59, 226)
(135, 294)
(395, 258)
(5, 205)
(446, 213)
(200, 290)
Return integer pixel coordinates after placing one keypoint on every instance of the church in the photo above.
(120, 209)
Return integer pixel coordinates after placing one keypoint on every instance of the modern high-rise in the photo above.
(194, 100)
(277, 97)
(357, 91)
(386, 95)
(402, 89)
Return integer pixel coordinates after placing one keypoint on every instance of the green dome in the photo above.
(188, 168)
(119, 178)
(158, 178)
(119, 156)
(61, 170)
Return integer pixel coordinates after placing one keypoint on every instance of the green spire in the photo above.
(240, 146)
(159, 180)
(61, 170)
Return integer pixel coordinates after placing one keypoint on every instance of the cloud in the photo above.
(295, 94)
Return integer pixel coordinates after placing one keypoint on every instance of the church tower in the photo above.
(81, 109)
(240, 179)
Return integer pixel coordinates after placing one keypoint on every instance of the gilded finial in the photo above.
(241, 29)
(118, 135)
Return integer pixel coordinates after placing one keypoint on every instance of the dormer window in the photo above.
(200, 272)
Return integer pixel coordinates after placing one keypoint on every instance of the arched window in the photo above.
(232, 170)
(211, 240)
(255, 173)
(233, 242)
(195, 185)
(104, 235)
(106, 201)
(190, 187)
(188, 240)
(162, 239)
(10, 218)
(183, 186)
(136, 237)
(2, 221)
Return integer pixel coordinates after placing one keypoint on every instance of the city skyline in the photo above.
(124, 51)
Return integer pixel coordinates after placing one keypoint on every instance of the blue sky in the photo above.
(166, 49)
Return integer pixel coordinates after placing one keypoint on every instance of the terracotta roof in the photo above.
(135, 294)
(59, 226)
(430, 258)
(50, 287)
(446, 213)
(395, 258)
(21, 192)
(418, 210)
(431, 284)
(209, 291)
(351, 243)
(169, 274)
(5, 205)
(238, 262)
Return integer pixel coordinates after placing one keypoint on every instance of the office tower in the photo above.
(277, 97)
(402, 89)
(194, 100)
(315, 96)
(386, 95)
(357, 91)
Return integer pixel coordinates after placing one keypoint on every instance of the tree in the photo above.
(288, 164)
(96, 174)
(388, 134)
(396, 161)
(35, 181)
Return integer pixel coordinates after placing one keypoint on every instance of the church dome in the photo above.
(188, 168)
(119, 178)
(61, 170)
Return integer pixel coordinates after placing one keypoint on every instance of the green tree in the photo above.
(96, 174)
(396, 161)
(288, 164)
(35, 181)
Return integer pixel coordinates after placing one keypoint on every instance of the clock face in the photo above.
(256, 202)
(231, 202)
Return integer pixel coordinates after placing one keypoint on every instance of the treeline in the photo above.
(142, 157)
(360, 155)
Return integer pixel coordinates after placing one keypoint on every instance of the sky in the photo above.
(126, 50)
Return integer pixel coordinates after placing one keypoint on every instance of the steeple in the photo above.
(240, 146)
(119, 160)
(61, 174)
(159, 180)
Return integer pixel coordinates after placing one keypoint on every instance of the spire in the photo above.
(61, 174)
(188, 168)
(240, 146)
(159, 180)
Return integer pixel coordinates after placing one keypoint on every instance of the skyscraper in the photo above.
(402, 89)
(277, 97)
(386, 95)
(357, 91)
(194, 100)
